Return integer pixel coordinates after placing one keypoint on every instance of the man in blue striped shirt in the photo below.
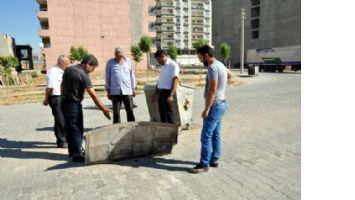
(120, 85)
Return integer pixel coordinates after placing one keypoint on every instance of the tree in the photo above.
(172, 52)
(199, 43)
(136, 53)
(145, 44)
(6, 65)
(78, 53)
(225, 51)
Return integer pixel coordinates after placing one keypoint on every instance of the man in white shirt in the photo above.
(120, 85)
(53, 98)
(166, 88)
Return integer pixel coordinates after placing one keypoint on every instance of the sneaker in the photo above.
(214, 164)
(199, 169)
(79, 158)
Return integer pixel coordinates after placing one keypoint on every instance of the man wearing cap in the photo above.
(120, 85)
(75, 81)
(166, 88)
(52, 97)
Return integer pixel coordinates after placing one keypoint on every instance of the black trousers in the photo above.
(116, 106)
(73, 113)
(59, 123)
(165, 109)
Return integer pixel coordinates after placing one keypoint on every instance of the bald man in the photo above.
(52, 97)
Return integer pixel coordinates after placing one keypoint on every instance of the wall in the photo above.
(98, 25)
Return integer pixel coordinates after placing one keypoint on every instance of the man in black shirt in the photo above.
(75, 81)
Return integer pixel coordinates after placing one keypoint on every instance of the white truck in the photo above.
(275, 59)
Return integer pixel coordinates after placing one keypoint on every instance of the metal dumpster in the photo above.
(253, 70)
(182, 106)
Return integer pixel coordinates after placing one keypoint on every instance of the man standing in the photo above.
(215, 107)
(52, 96)
(120, 85)
(75, 81)
(166, 88)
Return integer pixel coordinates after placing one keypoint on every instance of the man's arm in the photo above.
(211, 95)
(108, 79)
(98, 102)
(47, 93)
(173, 89)
(133, 79)
(229, 75)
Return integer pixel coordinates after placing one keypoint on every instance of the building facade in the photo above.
(7, 45)
(181, 23)
(268, 24)
(97, 25)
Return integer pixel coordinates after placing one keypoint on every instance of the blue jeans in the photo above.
(211, 134)
(74, 123)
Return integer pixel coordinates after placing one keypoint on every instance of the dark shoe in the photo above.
(78, 158)
(214, 164)
(62, 145)
(199, 169)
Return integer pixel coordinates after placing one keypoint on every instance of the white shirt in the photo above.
(167, 72)
(54, 79)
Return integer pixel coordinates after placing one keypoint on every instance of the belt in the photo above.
(219, 102)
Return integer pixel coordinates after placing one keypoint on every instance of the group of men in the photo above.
(66, 86)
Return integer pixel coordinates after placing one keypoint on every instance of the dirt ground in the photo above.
(34, 93)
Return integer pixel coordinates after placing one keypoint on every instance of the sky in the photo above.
(18, 18)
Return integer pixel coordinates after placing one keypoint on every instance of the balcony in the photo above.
(197, 30)
(197, 24)
(197, 15)
(168, 30)
(168, 22)
(197, 7)
(42, 15)
(160, 5)
(168, 39)
(44, 33)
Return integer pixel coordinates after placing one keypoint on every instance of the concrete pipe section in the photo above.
(129, 140)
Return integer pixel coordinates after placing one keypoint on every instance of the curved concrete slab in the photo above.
(128, 140)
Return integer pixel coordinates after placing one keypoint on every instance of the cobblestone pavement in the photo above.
(261, 152)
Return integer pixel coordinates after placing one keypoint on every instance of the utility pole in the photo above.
(242, 17)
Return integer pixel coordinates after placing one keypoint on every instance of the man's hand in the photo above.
(45, 102)
(170, 99)
(205, 114)
(133, 93)
(106, 112)
(108, 96)
(153, 98)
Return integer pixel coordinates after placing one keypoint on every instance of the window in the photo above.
(255, 2)
(255, 12)
(255, 18)
(255, 34)
(255, 23)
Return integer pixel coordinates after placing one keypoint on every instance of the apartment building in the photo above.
(181, 23)
(97, 25)
(268, 24)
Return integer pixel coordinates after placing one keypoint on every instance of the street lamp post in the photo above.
(242, 41)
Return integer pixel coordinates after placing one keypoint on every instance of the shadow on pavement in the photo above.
(66, 165)
(158, 163)
(14, 149)
(45, 129)
(18, 153)
(4, 143)
(51, 129)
